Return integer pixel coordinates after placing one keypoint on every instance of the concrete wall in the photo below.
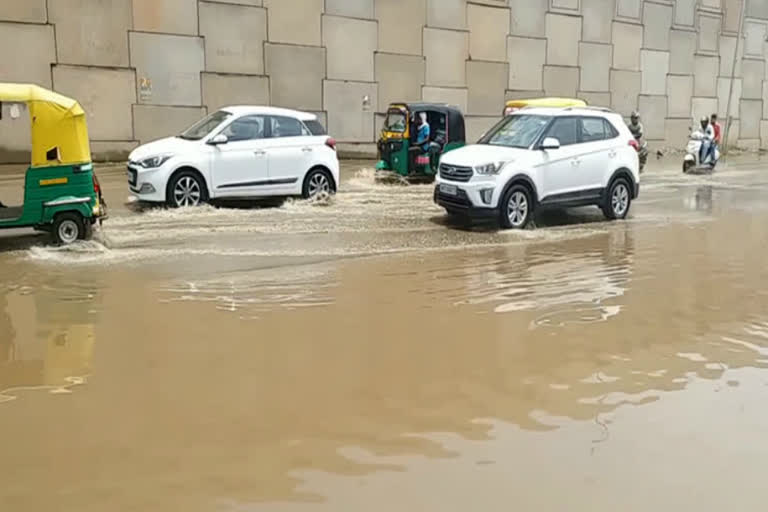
(147, 68)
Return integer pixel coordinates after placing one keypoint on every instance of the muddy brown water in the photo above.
(360, 354)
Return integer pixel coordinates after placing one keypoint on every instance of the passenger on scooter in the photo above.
(718, 129)
(707, 149)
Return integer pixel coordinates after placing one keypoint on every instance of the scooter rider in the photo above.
(707, 141)
(635, 126)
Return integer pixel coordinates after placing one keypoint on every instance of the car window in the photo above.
(593, 129)
(286, 127)
(565, 129)
(315, 128)
(610, 130)
(245, 128)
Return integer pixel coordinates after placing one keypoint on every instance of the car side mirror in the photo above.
(218, 140)
(550, 143)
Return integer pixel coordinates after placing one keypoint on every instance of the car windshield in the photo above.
(205, 126)
(396, 121)
(516, 131)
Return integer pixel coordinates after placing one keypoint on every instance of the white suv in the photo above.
(237, 152)
(543, 157)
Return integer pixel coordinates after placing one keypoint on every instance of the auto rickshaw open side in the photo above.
(399, 151)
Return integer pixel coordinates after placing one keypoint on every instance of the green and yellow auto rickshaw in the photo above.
(401, 151)
(61, 192)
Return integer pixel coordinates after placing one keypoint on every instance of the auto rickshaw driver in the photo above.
(423, 132)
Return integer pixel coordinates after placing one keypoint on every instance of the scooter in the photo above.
(693, 150)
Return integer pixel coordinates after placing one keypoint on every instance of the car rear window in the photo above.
(315, 128)
(593, 129)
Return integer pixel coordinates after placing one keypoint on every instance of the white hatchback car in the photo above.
(237, 153)
(543, 157)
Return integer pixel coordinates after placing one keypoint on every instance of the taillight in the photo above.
(331, 143)
(96, 185)
(634, 144)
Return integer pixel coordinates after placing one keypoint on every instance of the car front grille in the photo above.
(455, 173)
(131, 176)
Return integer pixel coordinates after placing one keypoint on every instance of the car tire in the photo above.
(186, 189)
(516, 208)
(68, 228)
(618, 200)
(317, 182)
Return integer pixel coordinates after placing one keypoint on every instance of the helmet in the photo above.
(635, 116)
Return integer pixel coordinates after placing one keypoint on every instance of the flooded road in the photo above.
(361, 354)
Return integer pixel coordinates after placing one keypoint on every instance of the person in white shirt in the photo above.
(707, 140)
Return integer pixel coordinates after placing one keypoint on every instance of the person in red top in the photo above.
(718, 129)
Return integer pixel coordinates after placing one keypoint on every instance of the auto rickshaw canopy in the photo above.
(58, 125)
(454, 119)
(513, 105)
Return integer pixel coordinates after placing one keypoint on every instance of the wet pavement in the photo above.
(361, 354)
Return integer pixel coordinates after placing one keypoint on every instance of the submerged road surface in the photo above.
(361, 354)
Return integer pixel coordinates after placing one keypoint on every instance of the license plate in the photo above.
(451, 190)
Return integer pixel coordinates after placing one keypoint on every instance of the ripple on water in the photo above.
(255, 292)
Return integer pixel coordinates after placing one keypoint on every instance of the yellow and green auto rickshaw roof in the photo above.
(513, 105)
(58, 125)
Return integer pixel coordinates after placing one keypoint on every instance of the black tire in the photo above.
(186, 188)
(317, 182)
(687, 166)
(618, 200)
(69, 227)
(512, 217)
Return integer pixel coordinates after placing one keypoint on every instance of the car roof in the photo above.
(241, 110)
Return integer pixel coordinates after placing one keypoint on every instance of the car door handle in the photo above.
(260, 152)
(306, 149)
(612, 153)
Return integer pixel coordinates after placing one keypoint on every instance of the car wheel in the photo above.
(186, 189)
(68, 228)
(516, 207)
(618, 201)
(318, 183)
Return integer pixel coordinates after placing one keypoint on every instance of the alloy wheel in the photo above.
(187, 192)
(517, 209)
(620, 200)
(319, 185)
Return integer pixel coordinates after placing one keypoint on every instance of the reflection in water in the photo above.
(608, 361)
(51, 346)
(701, 199)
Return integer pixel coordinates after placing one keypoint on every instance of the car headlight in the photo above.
(489, 169)
(155, 161)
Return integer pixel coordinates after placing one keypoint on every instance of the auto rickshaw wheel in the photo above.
(69, 227)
